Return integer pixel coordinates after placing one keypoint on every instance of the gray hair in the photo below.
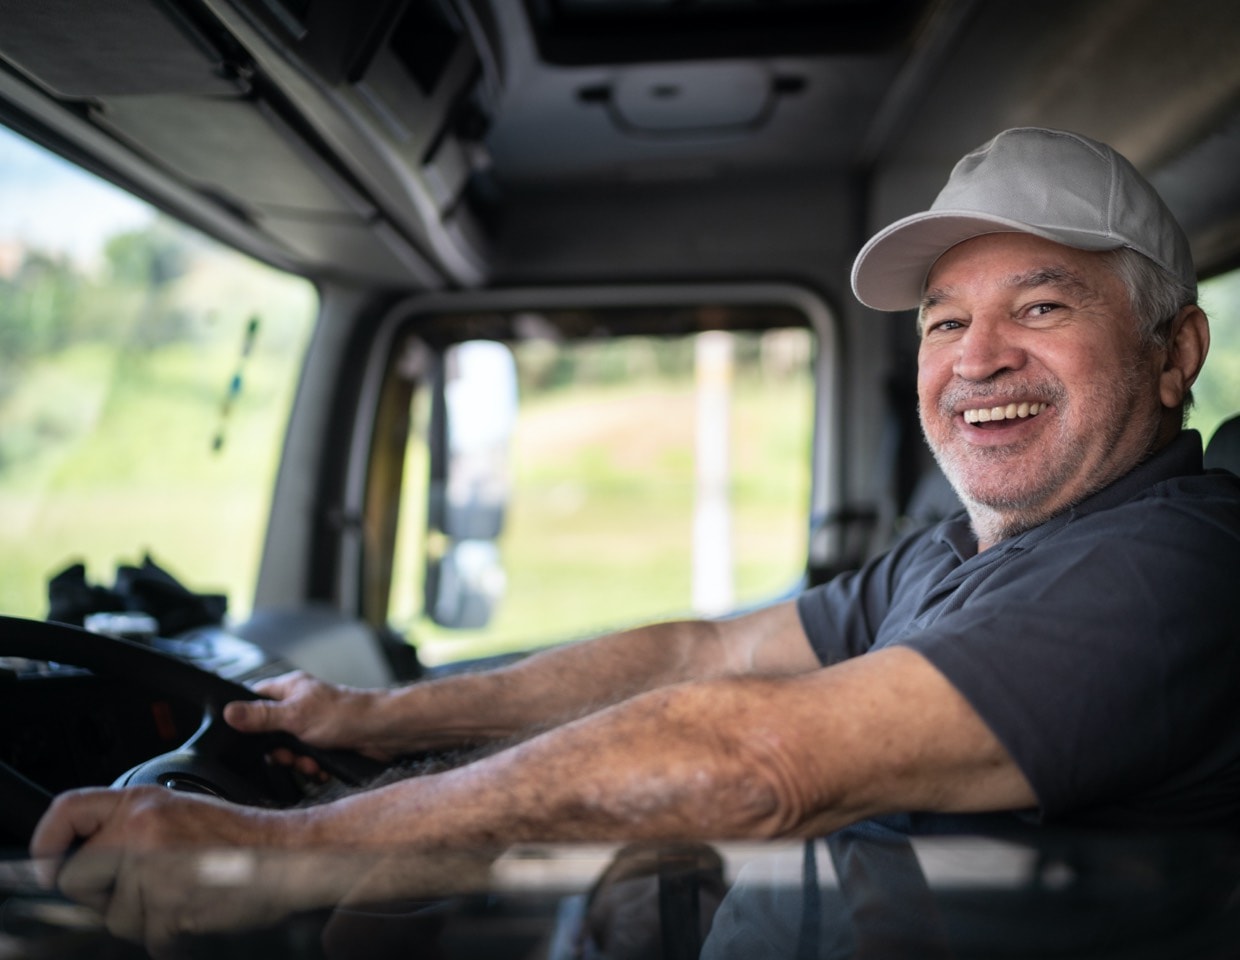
(1156, 298)
(1154, 294)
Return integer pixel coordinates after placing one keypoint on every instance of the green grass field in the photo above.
(131, 469)
(108, 441)
(599, 533)
(118, 461)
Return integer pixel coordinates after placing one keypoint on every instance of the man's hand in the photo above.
(157, 865)
(140, 863)
(318, 713)
(148, 818)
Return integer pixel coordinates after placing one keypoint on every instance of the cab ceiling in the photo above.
(424, 144)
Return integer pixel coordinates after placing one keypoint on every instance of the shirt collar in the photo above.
(1181, 457)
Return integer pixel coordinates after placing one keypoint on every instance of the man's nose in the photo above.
(988, 347)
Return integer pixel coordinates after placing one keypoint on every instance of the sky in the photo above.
(50, 204)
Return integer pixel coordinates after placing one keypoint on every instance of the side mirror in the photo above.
(472, 420)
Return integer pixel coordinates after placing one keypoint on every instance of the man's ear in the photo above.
(1186, 352)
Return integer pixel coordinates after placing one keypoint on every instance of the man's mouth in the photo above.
(1012, 411)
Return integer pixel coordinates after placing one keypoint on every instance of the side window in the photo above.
(1217, 390)
(651, 477)
(146, 377)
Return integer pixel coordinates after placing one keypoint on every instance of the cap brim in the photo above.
(890, 271)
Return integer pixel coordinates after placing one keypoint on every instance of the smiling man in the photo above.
(1034, 390)
(1039, 382)
(1064, 651)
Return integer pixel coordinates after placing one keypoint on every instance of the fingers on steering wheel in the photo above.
(300, 763)
(250, 716)
(278, 688)
(310, 768)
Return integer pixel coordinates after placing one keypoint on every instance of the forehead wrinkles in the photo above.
(1061, 278)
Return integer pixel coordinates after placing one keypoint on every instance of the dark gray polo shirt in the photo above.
(1100, 647)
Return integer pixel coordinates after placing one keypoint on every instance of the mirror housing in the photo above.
(465, 585)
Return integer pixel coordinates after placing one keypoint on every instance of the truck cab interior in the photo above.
(428, 332)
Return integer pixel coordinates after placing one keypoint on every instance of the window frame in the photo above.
(366, 554)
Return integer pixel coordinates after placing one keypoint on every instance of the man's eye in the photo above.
(1042, 309)
(943, 326)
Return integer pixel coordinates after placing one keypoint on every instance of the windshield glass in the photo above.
(646, 478)
(146, 375)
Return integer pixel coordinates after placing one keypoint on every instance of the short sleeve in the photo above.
(1104, 661)
(844, 617)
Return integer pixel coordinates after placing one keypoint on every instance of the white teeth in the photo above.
(1013, 411)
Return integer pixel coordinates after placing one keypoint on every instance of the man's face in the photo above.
(1033, 386)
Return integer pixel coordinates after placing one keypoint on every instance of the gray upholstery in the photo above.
(1223, 450)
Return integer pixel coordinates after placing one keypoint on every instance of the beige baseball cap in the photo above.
(1050, 183)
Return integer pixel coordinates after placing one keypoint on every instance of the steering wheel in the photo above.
(216, 759)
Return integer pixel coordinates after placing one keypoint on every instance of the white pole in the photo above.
(712, 521)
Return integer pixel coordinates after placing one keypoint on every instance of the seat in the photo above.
(1223, 450)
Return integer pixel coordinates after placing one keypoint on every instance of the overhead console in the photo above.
(418, 78)
(333, 135)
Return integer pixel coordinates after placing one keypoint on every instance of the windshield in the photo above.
(146, 376)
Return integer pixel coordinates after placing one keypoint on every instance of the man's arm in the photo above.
(735, 757)
(541, 691)
(741, 757)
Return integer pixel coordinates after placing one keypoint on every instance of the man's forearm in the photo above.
(553, 686)
(542, 691)
(734, 757)
(657, 766)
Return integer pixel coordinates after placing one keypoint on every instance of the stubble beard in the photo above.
(1004, 492)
